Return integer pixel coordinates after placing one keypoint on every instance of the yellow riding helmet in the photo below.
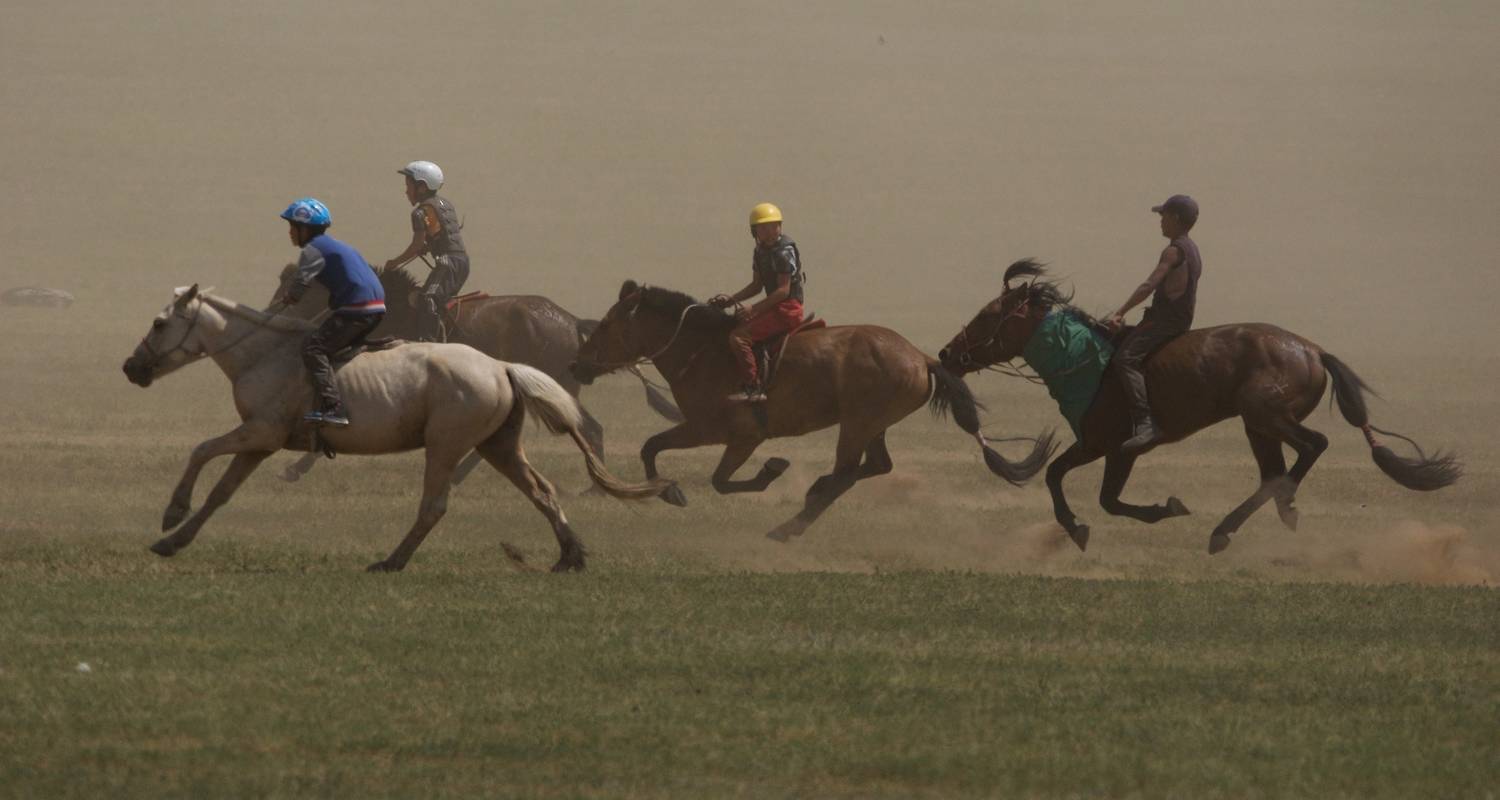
(764, 212)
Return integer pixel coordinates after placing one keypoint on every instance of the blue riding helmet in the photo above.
(308, 211)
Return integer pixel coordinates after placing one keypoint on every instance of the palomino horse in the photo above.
(1268, 377)
(862, 378)
(448, 398)
(521, 329)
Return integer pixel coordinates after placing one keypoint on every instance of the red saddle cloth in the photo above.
(769, 350)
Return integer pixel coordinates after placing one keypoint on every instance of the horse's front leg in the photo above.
(247, 438)
(1074, 456)
(681, 437)
(239, 469)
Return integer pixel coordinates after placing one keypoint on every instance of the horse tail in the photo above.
(950, 393)
(551, 403)
(1422, 474)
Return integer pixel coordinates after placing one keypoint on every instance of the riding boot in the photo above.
(332, 416)
(1144, 434)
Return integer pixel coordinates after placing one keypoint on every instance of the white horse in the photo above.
(447, 398)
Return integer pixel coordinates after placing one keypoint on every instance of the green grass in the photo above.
(453, 681)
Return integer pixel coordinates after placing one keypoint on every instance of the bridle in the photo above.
(156, 357)
(965, 356)
(636, 362)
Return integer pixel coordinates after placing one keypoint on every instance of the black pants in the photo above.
(1131, 357)
(442, 284)
(336, 333)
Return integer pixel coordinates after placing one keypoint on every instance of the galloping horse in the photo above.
(862, 378)
(1268, 377)
(521, 329)
(448, 398)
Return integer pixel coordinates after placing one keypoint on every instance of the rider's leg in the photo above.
(1129, 362)
(336, 333)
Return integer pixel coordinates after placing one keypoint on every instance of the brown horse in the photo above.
(521, 329)
(862, 378)
(1268, 377)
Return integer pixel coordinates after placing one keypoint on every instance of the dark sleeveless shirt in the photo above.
(1178, 313)
(447, 240)
(781, 257)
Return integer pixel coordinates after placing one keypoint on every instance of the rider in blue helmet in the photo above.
(354, 295)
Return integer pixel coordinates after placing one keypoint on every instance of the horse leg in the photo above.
(735, 455)
(592, 431)
(679, 437)
(295, 470)
(1308, 444)
(1117, 468)
(466, 466)
(503, 451)
(877, 459)
(1074, 456)
(239, 469)
(827, 488)
(1272, 463)
(437, 478)
(249, 437)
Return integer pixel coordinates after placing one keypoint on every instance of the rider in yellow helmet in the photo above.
(777, 268)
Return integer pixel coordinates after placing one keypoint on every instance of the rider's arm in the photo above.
(751, 289)
(309, 264)
(783, 289)
(1169, 259)
(418, 244)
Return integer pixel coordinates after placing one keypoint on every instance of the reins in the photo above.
(157, 358)
(635, 363)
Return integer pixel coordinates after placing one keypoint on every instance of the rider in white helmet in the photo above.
(434, 230)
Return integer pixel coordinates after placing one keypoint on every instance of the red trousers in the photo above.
(784, 317)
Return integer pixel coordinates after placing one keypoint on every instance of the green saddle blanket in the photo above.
(1071, 359)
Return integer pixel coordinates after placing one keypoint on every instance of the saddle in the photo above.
(347, 354)
(768, 352)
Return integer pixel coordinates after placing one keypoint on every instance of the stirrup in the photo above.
(333, 418)
(750, 394)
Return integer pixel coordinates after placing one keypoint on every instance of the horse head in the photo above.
(1000, 331)
(644, 323)
(174, 340)
(615, 341)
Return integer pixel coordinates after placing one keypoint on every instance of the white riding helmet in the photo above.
(424, 172)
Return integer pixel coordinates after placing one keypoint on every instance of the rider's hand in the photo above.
(721, 301)
(1114, 322)
(389, 265)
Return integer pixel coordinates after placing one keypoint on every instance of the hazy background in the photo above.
(1344, 155)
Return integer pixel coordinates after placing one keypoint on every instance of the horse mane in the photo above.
(1045, 291)
(398, 283)
(675, 304)
(278, 322)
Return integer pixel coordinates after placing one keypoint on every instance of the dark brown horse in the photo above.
(1268, 377)
(862, 378)
(520, 329)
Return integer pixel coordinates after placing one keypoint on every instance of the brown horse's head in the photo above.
(1000, 331)
(642, 324)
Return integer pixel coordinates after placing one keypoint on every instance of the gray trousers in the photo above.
(1131, 357)
(442, 284)
(336, 333)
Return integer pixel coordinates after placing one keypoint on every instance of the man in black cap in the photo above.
(1173, 289)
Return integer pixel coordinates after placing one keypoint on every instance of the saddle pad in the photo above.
(347, 354)
(1071, 358)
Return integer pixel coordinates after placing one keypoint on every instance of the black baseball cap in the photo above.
(1186, 208)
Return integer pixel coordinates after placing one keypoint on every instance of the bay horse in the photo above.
(1268, 377)
(447, 398)
(522, 329)
(862, 378)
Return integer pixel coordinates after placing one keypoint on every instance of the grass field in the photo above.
(934, 635)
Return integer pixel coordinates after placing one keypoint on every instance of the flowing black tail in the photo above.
(1421, 473)
(949, 392)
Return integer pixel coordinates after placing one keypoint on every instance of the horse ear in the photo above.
(186, 295)
(628, 288)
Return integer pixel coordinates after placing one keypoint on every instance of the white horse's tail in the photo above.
(557, 409)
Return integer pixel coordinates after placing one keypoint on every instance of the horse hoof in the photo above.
(382, 566)
(1175, 508)
(786, 530)
(568, 565)
(1080, 537)
(164, 548)
(1218, 543)
(1289, 515)
(774, 467)
(674, 496)
(173, 517)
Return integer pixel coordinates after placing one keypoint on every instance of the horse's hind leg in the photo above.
(503, 451)
(1117, 468)
(295, 470)
(877, 459)
(239, 469)
(1273, 477)
(827, 488)
(436, 481)
(466, 466)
